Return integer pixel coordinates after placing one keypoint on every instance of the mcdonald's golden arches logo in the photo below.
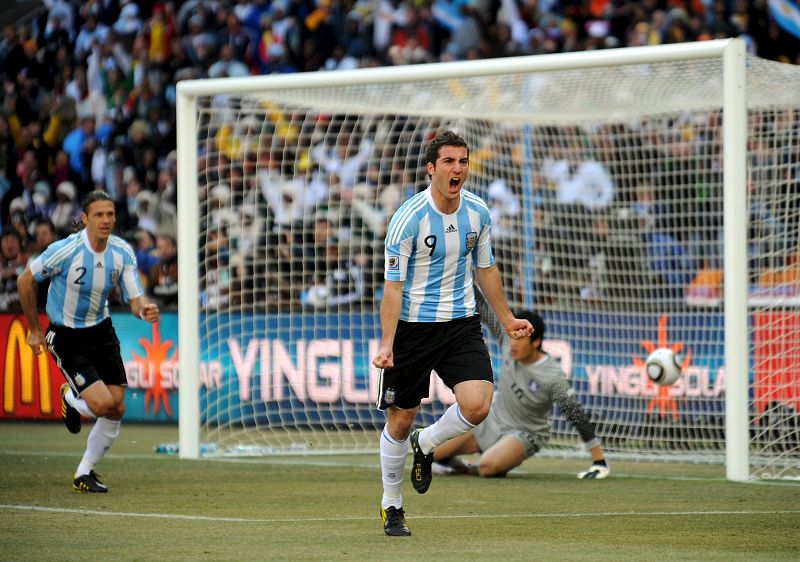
(17, 348)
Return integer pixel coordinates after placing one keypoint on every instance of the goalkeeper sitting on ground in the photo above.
(517, 425)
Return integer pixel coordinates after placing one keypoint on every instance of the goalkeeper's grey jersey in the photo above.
(525, 394)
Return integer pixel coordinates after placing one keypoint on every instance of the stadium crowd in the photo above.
(88, 101)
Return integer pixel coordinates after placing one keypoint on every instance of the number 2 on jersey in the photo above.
(82, 272)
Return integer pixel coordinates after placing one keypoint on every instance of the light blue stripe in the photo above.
(61, 251)
(464, 263)
(55, 302)
(399, 224)
(477, 202)
(124, 248)
(395, 229)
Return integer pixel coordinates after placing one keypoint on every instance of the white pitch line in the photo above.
(204, 518)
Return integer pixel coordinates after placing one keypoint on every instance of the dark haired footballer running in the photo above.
(429, 322)
(83, 270)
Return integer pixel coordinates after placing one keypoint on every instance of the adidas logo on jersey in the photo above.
(99, 265)
(450, 228)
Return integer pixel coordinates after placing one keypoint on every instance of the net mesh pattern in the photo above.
(605, 190)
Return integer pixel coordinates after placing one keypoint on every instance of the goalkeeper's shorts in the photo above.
(489, 432)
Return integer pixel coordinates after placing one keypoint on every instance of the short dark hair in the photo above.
(11, 231)
(45, 221)
(96, 195)
(536, 321)
(443, 138)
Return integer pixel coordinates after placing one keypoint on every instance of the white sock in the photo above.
(78, 403)
(451, 424)
(100, 439)
(393, 463)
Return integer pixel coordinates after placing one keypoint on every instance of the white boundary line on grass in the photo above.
(178, 516)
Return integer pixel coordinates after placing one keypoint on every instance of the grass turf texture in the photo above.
(326, 508)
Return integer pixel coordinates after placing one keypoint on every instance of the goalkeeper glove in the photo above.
(597, 471)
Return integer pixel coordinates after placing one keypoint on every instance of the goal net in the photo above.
(605, 186)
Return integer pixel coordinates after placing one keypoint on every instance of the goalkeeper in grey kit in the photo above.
(517, 426)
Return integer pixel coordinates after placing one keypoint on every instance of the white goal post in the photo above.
(606, 174)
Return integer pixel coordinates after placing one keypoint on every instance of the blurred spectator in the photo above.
(62, 171)
(504, 209)
(216, 281)
(12, 264)
(227, 65)
(60, 15)
(247, 235)
(146, 254)
(342, 284)
(237, 37)
(12, 56)
(91, 32)
(164, 274)
(66, 209)
(465, 38)
(79, 145)
(129, 23)
(146, 208)
(90, 103)
(388, 13)
(42, 206)
(44, 234)
(161, 29)
(670, 264)
(293, 199)
(220, 210)
(19, 217)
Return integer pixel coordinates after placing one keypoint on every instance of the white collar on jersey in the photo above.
(429, 197)
(85, 237)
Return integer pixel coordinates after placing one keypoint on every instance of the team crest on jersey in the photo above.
(389, 396)
(393, 263)
(79, 380)
(533, 386)
(114, 276)
(472, 239)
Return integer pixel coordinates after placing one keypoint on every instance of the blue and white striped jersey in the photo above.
(81, 279)
(434, 253)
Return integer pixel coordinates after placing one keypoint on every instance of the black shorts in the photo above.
(87, 355)
(455, 350)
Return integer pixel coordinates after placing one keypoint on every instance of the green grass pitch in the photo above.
(326, 508)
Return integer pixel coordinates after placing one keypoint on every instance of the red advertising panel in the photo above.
(29, 384)
(777, 359)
